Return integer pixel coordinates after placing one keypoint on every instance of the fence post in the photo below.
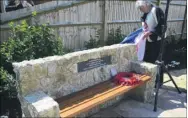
(57, 20)
(183, 24)
(104, 22)
(3, 6)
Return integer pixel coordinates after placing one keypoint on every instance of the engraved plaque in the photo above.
(94, 63)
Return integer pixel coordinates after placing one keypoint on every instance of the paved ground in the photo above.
(180, 77)
(170, 103)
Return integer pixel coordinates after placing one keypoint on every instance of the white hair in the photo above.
(140, 3)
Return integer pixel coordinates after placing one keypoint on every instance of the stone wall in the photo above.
(57, 76)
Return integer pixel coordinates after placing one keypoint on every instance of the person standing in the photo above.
(152, 21)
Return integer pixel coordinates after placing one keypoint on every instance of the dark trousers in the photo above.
(152, 51)
(151, 54)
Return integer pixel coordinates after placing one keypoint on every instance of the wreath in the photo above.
(128, 79)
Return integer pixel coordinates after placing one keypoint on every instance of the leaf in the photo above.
(34, 13)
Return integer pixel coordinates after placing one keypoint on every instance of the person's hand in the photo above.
(144, 25)
(146, 34)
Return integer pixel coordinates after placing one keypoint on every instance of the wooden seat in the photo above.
(86, 99)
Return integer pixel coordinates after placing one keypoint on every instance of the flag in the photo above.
(136, 37)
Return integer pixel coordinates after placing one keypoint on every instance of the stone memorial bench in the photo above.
(79, 83)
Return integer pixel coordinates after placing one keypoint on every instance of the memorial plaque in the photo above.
(93, 63)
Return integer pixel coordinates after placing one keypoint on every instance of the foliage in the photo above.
(171, 38)
(7, 83)
(114, 36)
(67, 50)
(94, 42)
(29, 42)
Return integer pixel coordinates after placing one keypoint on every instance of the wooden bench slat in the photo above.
(93, 97)
(105, 91)
(84, 94)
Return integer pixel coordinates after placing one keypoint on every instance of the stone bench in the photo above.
(46, 84)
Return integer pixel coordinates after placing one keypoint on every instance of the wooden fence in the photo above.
(75, 21)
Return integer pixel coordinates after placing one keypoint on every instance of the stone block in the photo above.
(39, 104)
(144, 93)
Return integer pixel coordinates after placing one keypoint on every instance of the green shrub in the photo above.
(114, 36)
(94, 42)
(29, 42)
(7, 83)
(171, 38)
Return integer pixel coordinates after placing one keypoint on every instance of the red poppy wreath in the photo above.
(125, 78)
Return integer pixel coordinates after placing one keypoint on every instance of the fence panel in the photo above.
(74, 24)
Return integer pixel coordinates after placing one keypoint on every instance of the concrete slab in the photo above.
(172, 100)
(107, 113)
(173, 103)
(132, 108)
